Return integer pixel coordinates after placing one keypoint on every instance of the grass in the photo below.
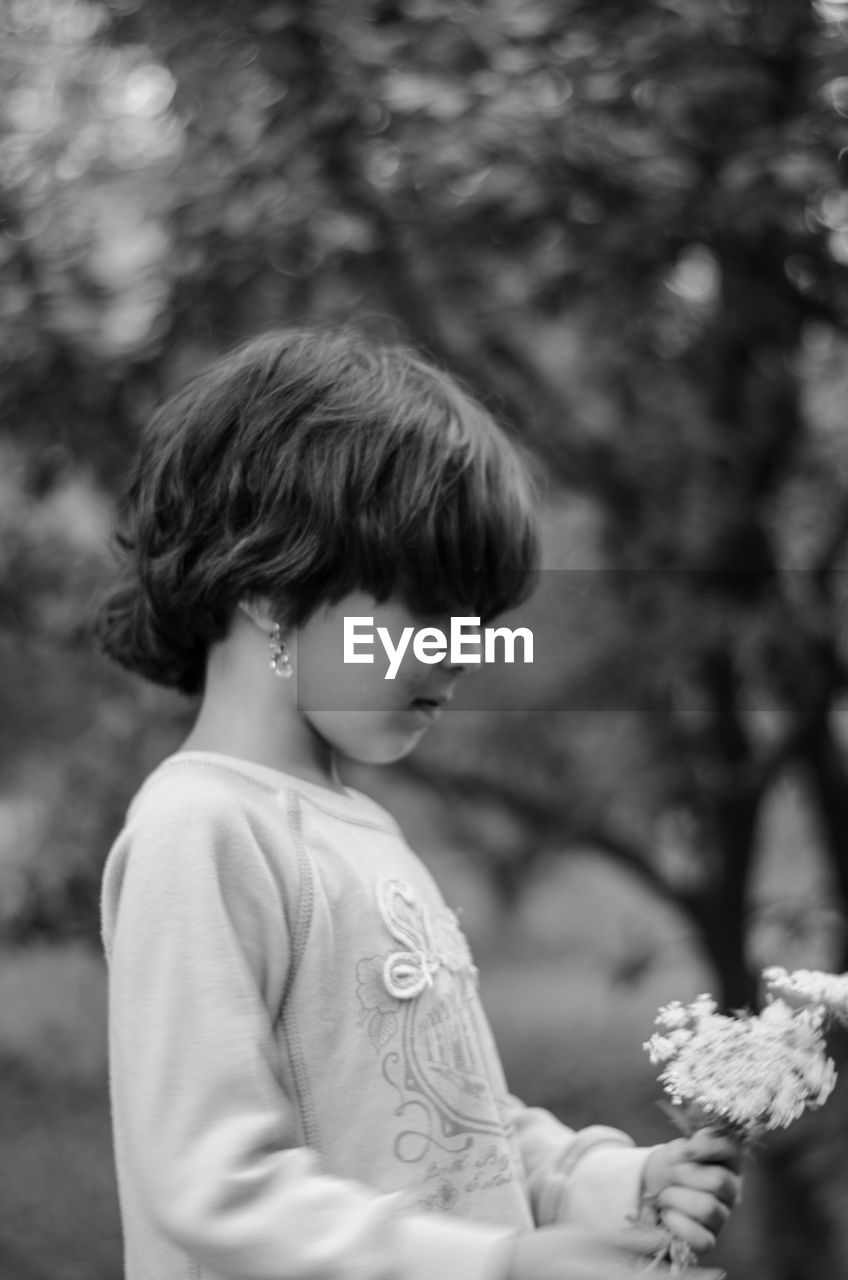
(57, 1187)
(60, 1217)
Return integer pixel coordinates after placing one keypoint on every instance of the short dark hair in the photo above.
(308, 463)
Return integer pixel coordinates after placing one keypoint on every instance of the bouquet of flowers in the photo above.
(811, 989)
(744, 1074)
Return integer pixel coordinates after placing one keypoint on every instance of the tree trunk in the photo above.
(828, 778)
(724, 911)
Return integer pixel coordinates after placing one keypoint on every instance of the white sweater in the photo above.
(304, 1085)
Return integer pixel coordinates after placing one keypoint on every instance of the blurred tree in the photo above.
(626, 226)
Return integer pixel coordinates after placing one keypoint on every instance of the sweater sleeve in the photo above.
(198, 947)
(588, 1178)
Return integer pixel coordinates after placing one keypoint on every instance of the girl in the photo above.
(303, 1083)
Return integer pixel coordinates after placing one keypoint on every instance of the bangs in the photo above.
(448, 523)
(472, 549)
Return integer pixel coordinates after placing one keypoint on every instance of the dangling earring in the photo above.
(281, 663)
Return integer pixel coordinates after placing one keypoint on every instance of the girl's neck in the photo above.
(245, 720)
(253, 753)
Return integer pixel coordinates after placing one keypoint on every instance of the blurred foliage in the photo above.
(625, 226)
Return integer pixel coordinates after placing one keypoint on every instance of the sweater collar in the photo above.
(347, 803)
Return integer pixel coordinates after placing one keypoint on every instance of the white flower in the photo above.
(810, 988)
(660, 1048)
(752, 1073)
(673, 1015)
(703, 1006)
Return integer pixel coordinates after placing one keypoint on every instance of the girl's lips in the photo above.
(429, 709)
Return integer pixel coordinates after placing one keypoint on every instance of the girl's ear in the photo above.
(258, 609)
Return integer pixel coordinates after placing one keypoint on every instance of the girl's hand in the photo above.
(694, 1184)
(567, 1253)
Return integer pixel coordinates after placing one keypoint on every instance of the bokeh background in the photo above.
(625, 224)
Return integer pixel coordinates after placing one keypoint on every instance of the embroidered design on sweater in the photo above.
(429, 944)
(419, 1004)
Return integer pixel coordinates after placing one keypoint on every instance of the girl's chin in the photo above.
(373, 738)
(386, 750)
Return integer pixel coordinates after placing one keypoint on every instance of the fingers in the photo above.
(684, 1228)
(609, 1263)
(636, 1239)
(569, 1253)
(691, 1273)
(714, 1179)
(602, 1255)
(659, 1271)
(708, 1147)
(693, 1216)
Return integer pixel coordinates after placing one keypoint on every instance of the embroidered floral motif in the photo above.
(417, 1001)
(429, 945)
(443, 1198)
(370, 986)
(378, 1007)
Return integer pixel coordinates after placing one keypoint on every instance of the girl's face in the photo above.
(353, 706)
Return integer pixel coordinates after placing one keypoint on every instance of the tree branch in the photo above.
(549, 823)
(485, 355)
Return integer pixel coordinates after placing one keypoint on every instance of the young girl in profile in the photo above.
(303, 1083)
